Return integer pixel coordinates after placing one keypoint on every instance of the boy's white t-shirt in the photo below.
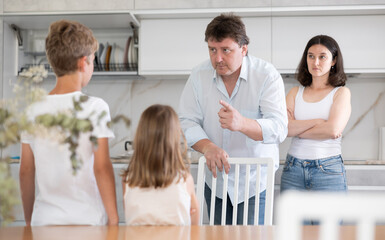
(62, 197)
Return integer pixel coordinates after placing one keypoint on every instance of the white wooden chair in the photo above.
(362, 210)
(236, 162)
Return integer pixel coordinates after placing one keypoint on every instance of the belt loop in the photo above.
(293, 160)
(317, 163)
(290, 159)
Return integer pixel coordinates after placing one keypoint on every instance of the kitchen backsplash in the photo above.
(360, 139)
(131, 97)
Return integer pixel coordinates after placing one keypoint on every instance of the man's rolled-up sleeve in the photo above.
(273, 110)
(190, 114)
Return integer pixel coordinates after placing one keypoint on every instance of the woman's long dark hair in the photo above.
(337, 76)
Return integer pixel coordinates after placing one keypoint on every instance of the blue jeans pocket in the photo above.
(332, 166)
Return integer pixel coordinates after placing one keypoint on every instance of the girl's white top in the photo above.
(63, 198)
(310, 148)
(158, 206)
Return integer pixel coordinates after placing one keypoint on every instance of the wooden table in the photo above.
(163, 232)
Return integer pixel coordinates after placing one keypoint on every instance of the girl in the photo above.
(157, 186)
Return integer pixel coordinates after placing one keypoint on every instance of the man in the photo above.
(233, 106)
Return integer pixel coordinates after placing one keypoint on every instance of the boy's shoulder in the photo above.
(96, 102)
(63, 102)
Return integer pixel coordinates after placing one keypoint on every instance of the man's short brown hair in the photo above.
(227, 26)
(66, 43)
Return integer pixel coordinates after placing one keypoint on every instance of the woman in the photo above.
(318, 112)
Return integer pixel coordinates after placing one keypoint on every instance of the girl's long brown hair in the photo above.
(158, 158)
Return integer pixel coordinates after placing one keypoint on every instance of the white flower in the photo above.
(37, 94)
(26, 73)
(17, 88)
(35, 73)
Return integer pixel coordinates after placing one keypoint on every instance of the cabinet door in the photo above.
(175, 46)
(18, 212)
(1, 57)
(68, 5)
(10, 53)
(200, 4)
(361, 39)
(258, 29)
(171, 46)
(286, 3)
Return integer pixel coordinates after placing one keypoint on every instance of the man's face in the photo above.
(226, 56)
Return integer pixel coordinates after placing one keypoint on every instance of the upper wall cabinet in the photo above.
(361, 39)
(171, 46)
(172, 40)
(68, 5)
(1, 57)
(199, 4)
(212, 4)
(285, 3)
(24, 36)
(175, 46)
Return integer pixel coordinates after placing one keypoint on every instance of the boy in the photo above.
(63, 198)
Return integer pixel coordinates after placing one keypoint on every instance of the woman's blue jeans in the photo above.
(325, 174)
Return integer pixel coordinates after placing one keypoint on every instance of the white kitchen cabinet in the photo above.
(183, 4)
(175, 46)
(18, 209)
(18, 212)
(171, 41)
(171, 46)
(204, 4)
(258, 30)
(68, 5)
(1, 57)
(361, 39)
(286, 3)
(361, 179)
(112, 28)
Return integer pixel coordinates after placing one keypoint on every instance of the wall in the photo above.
(131, 97)
(359, 142)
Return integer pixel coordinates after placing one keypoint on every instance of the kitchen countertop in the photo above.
(194, 158)
(192, 155)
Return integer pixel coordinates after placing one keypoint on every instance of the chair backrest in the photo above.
(362, 210)
(236, 162)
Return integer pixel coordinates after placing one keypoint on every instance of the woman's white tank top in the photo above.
(310, 148)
